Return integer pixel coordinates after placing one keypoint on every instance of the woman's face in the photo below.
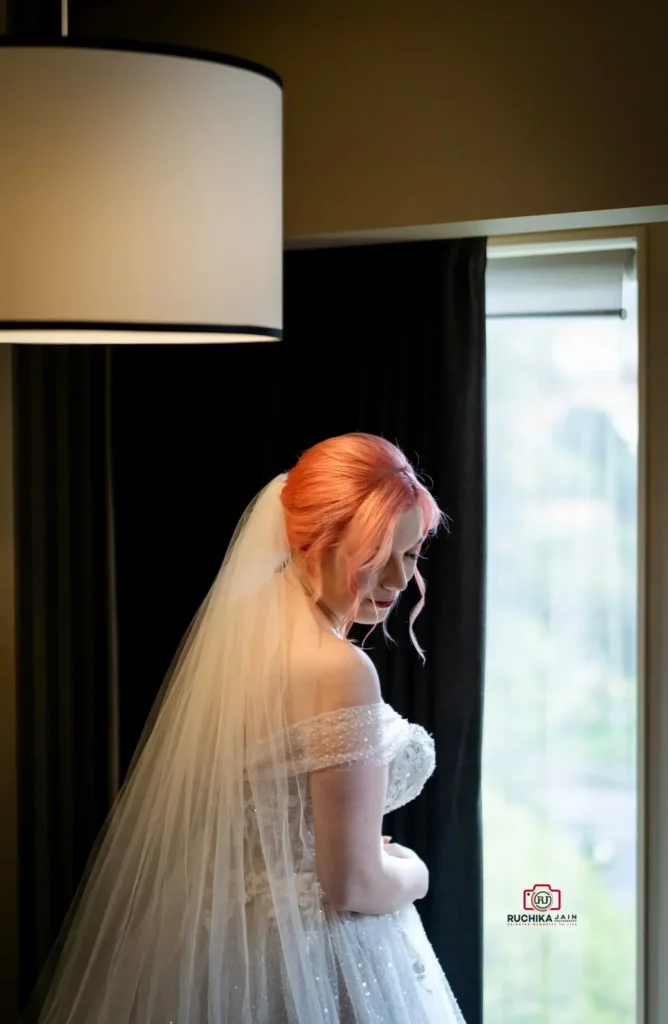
(383, 585)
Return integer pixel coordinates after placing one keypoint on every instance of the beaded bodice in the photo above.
(367, 734)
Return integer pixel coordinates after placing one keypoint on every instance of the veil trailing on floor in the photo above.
(197, 884)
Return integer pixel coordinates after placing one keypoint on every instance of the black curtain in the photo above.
(398, 332)
(387, 339)
(66, 644)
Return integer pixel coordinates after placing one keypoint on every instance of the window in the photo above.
(560, 796)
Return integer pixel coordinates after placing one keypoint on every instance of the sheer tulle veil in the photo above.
(161, 929)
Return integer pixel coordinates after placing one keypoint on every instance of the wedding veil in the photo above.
(197, 890)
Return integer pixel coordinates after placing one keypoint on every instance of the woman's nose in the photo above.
(393, 576)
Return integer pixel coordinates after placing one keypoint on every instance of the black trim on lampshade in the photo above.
(270, 333)
(133, 46)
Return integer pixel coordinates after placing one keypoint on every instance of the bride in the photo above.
(242, 876)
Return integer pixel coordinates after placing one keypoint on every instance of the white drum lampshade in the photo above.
(140, 195)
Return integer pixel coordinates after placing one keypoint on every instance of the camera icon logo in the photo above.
(542, 898)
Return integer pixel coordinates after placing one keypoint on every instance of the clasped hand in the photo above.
(396, 850)
(405, 853)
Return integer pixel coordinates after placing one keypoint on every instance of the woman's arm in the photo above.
(354, 870)
(348, 801)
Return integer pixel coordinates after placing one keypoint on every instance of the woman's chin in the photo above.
(367, 615)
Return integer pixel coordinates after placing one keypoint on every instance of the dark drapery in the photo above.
(400, 336)
(387, 339)
(66, 719)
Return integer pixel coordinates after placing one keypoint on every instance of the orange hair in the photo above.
(349, 491)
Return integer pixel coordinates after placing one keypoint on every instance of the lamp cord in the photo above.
(64, 19)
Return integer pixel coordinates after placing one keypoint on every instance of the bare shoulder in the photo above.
(333, 674)
(349, 665)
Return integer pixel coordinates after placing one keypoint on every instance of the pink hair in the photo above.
(349, 491)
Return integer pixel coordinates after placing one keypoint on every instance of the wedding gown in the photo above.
(201, 904)
(382, 966)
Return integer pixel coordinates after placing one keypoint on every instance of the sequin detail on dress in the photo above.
(384, 968)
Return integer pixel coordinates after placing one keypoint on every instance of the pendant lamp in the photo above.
(140, 194)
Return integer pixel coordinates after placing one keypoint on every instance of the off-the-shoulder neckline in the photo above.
(382, 705)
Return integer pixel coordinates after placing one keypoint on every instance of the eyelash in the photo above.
(413, 557)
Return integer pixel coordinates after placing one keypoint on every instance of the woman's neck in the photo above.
(329, 615)
(323, 614)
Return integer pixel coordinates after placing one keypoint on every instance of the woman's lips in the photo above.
(381, 604)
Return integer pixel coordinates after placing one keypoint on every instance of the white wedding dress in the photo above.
(385, 970)
(202, 904)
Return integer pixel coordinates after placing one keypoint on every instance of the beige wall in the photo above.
(426, 112)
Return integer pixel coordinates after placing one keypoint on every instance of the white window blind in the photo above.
(559, 284)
